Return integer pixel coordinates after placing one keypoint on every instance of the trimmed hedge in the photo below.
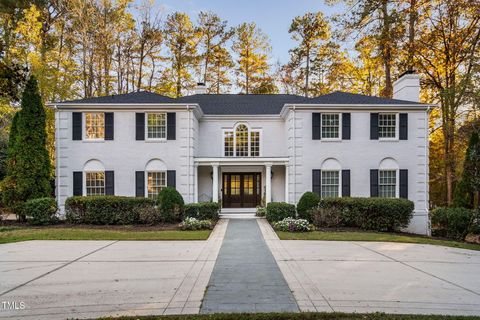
(110, 210)
(380, 214)
(170, 203)
(307, 202)
(41, 211)
(453, 223)
(277, 211)
(203, 211)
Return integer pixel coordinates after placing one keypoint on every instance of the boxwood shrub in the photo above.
(41, 211)
(170, 203)
(203, 211)
(454, 223)
(277, 211)
(109, 210)
(380, 214)
(307, 202)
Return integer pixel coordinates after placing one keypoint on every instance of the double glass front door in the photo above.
(241, 190)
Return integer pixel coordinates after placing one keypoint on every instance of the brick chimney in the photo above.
(407, 87)
(201, 88)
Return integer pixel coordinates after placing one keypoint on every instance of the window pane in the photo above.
(95, 183)
(387, 184)
(255, 143)
(228, 143)
(248, 184)
(330, 125)
(156, 125)
(387, 123)
(235, 185)
(241, 136)
(155, 183)
(94, 125)
(330, 183)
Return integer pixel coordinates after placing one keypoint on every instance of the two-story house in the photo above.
(247, 150)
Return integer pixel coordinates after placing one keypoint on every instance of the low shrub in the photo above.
(292, 225)
(170, 203)
(41, 211)
(307, 202)
(453, 223)
(194, 224)
(277, 211)
(110, 210)
(203, 211)
(380, 214)
(261, 211)
(475, 228)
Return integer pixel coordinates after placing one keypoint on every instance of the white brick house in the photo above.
(244, 150)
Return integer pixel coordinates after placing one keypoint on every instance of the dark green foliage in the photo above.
(203, 211)
(475, 227)
(277, 211)
(308, 201)
(110, 210)
(12, 78)
(170, 203)
(468, 189)
(380, 214)
(28, 163)
(41, 211)
(453, 223)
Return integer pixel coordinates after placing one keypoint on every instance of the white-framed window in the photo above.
(95, 183)
(156, 181)
(241, 142)
(94, 125)
(330, 183)
(387, 183)
(387, 125)
(330, 126)
(156, 125)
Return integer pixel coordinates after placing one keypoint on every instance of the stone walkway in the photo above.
(246, 277)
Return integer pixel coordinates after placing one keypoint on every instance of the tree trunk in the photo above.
(307, 72)
(386, 46)
(413, 15)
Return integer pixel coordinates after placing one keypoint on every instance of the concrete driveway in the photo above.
(88, 279)
(346, 276)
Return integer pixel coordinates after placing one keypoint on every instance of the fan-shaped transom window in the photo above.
(241, 142)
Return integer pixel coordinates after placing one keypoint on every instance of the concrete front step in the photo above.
(238, 213)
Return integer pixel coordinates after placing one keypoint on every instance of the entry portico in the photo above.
(241, 182)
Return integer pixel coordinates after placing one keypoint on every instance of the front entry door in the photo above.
(241, 190)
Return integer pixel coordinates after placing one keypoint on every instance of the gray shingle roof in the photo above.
(132, 97)
(243, 104)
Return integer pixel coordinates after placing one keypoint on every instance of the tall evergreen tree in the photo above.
(29, 169)
(7, 186)
(467, 191)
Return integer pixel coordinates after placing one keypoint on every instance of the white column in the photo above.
(195, 183)
(268, 183)
(287, 173)
(215, 182)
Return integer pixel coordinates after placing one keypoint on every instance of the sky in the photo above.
(272, 16)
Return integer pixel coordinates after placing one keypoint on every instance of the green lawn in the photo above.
(300, 316)
(372, 236)
(15, 234)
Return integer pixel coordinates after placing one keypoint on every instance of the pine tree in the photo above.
(28, 163)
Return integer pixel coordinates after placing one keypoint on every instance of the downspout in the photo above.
(189, 159)
(294, 160)
(57, 156)
(427, 160)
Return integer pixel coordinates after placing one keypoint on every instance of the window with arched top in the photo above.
(241, 142)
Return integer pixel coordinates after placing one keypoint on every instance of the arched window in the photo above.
(94, 178)
(388, 178)
(156, 177)
(330, 179)
(241, 142)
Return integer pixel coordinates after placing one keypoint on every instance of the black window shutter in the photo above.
(316, 126)
(76, 126)
(373, 126)
(140, 126)
(78, 183)
(403, 126)
(373, 183)
(346, 126)
(108, 125)
(139, 183)
(404, 183)
(109, 183)
(317, 181)
(171, 178)
(345, 183)
(171, 126)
